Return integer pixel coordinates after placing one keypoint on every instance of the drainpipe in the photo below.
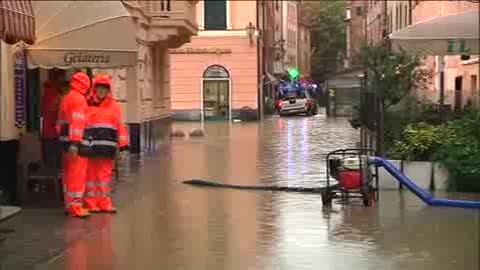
(385, 18)
(259, 63)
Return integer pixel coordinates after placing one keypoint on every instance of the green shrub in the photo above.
(461, 154)
(420, 141)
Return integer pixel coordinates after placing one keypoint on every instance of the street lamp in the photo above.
(250, 31)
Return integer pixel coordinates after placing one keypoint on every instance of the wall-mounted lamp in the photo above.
(250, 31)
(280, 49)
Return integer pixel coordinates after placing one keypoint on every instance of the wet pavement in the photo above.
(163, 224)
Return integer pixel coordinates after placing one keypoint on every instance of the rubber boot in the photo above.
(78, 211)
(106, 206)
(91, 205)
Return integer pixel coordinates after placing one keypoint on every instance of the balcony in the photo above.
(171, 20)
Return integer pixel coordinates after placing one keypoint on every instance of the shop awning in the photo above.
(17, 22)
(456, 34)
(80, 34)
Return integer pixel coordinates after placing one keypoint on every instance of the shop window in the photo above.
(215, 13)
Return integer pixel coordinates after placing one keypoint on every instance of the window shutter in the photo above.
(215, 15)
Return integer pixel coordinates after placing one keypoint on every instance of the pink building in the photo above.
(304, 42)
(216, 75)
(461, 77)
(376, 22)
(227, 71)
(290, 32)
(356, 14)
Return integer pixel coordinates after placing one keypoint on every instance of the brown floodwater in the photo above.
(163, 224)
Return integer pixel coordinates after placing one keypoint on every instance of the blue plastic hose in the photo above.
(426, 196)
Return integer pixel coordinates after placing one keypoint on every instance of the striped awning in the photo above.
(17, 21)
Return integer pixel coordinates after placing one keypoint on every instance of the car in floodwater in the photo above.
(295, 103)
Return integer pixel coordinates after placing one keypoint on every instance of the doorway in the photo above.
(216, 94)
(458, 93)
(475, 93)
(216, 100)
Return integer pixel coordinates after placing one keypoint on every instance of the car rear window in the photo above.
(294, 94)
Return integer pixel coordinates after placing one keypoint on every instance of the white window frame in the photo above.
(228, 17)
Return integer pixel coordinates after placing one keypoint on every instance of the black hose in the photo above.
(205, 183)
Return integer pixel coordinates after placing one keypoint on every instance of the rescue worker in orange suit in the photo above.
(52, 95)
(70, 126)
(105, 135)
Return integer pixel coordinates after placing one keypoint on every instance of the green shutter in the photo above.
(215, 15)
(33, 99)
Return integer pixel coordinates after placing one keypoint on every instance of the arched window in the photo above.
(216, 71)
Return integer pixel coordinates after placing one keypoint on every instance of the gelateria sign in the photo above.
(189, 50)
(86, 58)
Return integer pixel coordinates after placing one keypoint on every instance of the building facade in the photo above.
(399, 15)
(461, 77)
(356, 36)
(216, 75)
(142, 90)
(17, 24)
(375, 21)
(226, 71)
(279, 39)
(304, 43)
(290, 32)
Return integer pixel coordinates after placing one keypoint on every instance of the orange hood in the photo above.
(80, 82)
(101, 79)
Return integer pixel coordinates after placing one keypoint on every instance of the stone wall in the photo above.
(430, 176)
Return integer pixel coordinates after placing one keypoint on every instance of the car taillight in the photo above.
(279, 104)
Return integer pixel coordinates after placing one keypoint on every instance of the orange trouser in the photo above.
(98, 186)
(74, 175)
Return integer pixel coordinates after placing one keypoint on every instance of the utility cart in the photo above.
(356, 178)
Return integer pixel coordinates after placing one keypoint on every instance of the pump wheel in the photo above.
(366, 202)
(368, 198)
(326, 197)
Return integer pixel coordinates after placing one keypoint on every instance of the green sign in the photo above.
(293, 73)
(457, 46)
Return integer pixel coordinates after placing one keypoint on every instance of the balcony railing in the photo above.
(172, 9)
(168, 10)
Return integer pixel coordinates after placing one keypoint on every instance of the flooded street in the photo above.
(163, 224)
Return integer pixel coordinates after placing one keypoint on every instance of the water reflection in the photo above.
(163, 224)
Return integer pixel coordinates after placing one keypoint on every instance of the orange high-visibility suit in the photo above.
(71, 122)
(104, 134)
